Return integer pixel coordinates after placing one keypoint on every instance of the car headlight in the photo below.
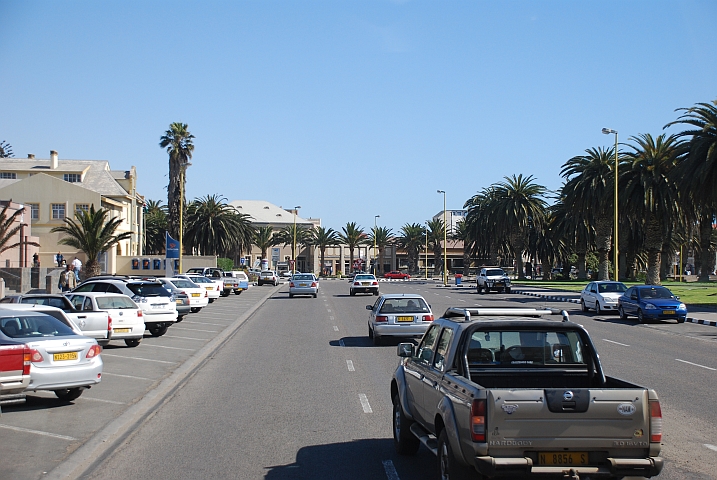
(649, 306)
(507, 281)
(682, 306)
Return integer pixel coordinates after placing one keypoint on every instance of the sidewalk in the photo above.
(700, 315)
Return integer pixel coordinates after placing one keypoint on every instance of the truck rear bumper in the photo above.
(494, 467)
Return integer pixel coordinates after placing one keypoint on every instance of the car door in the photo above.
(433, 376)
(630, 301)
(593, 292)
(415, 370)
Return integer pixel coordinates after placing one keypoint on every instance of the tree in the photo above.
(464, 233)
(436, 231)
(92, 233)
(215, 227)
(294, 235)
(382, 237)
(322, 238)
(5, 150)
(411, 240)
(264, 239)
(8, 231)
(353, 236)
(155, 227)
(179, 144)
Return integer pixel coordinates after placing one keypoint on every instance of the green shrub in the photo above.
(226, 264)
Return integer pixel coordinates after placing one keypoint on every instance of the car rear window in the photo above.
(148, 290)
(115, 302)
(405, 305)
(200, 280)
(181, 283)
(304, 277)
(51, 301)
(36, 325)
(533, 348)
(365, 277)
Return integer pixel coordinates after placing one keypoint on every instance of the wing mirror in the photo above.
(369, 307)
(406, 350)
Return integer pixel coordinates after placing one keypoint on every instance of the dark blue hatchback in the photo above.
(651, 302)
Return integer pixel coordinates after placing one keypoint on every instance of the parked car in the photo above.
(14, 371)
(601, 296)
(651, 302)
(92, 323)
(158, 306)
(198, 296)
(303, 284)
(397, 275)
(212, 287)
(218, 275)
(398, 315)
(61, 360)
(242, 280)
(268, 276)
(126, 317)
(364, 283)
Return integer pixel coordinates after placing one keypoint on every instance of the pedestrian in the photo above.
(68, 281)
(77, 265)
(59, 259)
(36, 260)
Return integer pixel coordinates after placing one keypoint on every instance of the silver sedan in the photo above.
(303, 284)
(398, 315)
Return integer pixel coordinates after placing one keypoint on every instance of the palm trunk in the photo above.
(438, 261)
(603, 240)
(92, 268)
(581, 251)
(653, 245)
(705, 264)
(518, 243)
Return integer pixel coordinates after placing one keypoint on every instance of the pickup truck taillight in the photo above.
(139, 313)
(94, 351)
(381, 318)
(26, 360)
(655, 421)
(109, 323)
(478, 421)
(427, 318)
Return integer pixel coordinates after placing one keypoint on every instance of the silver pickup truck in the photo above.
(507, 393)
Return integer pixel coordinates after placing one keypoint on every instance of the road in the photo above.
(295, 390)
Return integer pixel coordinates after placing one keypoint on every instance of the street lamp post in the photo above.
(182, 170)
(374, 242)
(293, 248)
(426, 263)
(445, 241)
(608, 131)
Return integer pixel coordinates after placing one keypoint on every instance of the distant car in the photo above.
(651, 302)
(492, 278)
(211, 286)
(364, 283)
(242, 280)
(287, 274)
(198, 297)
(216, 274)
(127, 318)
(601, 296)
(397, 275)
(268, 276)
(61, 360)
(398, 315)
(303, 284)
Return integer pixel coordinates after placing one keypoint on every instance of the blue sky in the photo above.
(348, 108)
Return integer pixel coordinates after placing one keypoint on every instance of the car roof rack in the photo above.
(467, 313)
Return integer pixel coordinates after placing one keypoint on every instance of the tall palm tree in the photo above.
(488, 240)
(9, 228)
(264, 239)
(436, 231)
(411, 240)
(322, 238)
(155, 227)
(92, 233)
(179, 144)
(382, 237)
(353, 236)
(650, 194)
(214, 227)
(590, 193)
(696, 173)
(294, 235)
(464, 233)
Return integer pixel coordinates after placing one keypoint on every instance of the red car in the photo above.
(397, 274)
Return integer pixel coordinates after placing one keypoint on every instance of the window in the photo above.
(34, 211)
(58, 211)
(82, 206)
(72, 177)
(526, 348)
(424, 353)
(9, 175)
(442, 349)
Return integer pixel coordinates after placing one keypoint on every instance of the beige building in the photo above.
(53, 189)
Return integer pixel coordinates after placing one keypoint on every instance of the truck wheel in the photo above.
(132, 342)
(448, 467)
(478, 289)
(68, 394)
(103, 343)
(487, 289)
(404, 441)
(237, 292)
(158, 331)
(621, 311)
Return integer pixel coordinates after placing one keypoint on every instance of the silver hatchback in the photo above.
(303, 284)
(398, 315)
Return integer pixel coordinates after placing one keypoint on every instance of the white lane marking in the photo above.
(364, 403)
(461, 300)
(103, 401)
(125, 376)
(138, 358)
(696, 365)
(350, 365)
(336, 329)
(203, 323)
(391, 473)
(711, 447)
(185, 338)
(165, 346)
(616, 343)
(194, 330)
(448, 296)
(38, 432)
(341, 342)
(331, 317)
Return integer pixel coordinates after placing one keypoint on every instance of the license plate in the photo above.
(209, 288)
(364, 284)
(404, 319)
(196, 294)
(668, 312)
(302, 284)
(122, 330)
(64, 356)
(563, 458)
(161, 305)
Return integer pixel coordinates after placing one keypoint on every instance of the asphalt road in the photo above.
(296, 390)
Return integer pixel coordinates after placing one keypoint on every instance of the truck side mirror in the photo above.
(406, 350)
(369, 307)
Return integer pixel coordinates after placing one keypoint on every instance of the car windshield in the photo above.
(118, 302)
(612, 287)
(51, 301)
(148, 289)
(36, 325)
(405, 305)
(494, 272)
(521, 348)
(365, 277)
(658, 292)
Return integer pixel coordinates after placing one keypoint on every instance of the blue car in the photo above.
(651, 302)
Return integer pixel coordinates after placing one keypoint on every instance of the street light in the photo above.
(445, 242)
(293, 248)
(374, 242)
(182, 170)
(608, 131)
(426, 264)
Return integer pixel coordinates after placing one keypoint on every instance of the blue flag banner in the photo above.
(172, 247)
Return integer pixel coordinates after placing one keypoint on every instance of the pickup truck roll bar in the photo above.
(467, 313)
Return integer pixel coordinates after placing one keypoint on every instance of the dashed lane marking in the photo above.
(126, 376)
(711, 447)
(204, 323)
(350, 365)
(696, 365)
(103, 401)
(185, 338)
(616, 343)
(194, 329)
(336, 329)
(38, 432)
(364, 403)
(138, 358)
(171, 348)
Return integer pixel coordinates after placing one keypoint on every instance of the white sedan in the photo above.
(127, 318)
(601, 296)
(198, 295)
(213, 288)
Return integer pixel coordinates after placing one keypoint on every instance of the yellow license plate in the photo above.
(364, 284)
(58, 357)
(668, 312)
(209, 288)
(122, 330)
(563, 458)
(302, 285)
(196, 294)
(404, 319)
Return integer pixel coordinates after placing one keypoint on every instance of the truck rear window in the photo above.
(525, 348)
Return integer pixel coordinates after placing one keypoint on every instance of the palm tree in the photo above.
(590, 193)
(464, 233)
(5, 150)
(294, 235)
(436, 230)
(650, 195)
(322, 238)
(179, 144)
(215, 228)
(411, 240)
(155, 227)
(92, 233)
(264, 239)
(696, 174)
(353, 236)
(7, 230)
(382, 237)
(481, 222)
